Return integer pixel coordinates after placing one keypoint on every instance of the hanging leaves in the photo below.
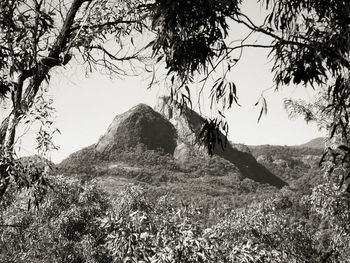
(187, 32)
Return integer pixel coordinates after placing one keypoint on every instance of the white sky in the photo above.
(87, 105)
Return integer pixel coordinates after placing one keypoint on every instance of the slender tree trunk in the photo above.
(3, 128)
(8, 126)
(13, 118)
(4, 176)
(10, 134)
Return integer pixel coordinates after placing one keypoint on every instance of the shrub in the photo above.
(63, 229)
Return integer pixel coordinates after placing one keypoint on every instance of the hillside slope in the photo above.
(317, 143)
(146, 147)
(188, 125)
(299, 166)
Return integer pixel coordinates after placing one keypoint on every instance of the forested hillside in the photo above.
(299, 166)
(148, 207)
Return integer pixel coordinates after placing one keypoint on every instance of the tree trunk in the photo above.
(4, 177)
(10, 134)
(3, 128)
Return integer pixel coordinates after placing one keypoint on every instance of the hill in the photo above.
(139, 125)
(168, 131)
(160, 152)
(189, 123)
(317, 143)
(297, 165)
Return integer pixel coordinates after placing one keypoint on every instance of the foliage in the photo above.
(62, 229)
(77, 222)
(37, 36)
(206, 180)
(188, 33)
(283, 228)
(330, 207)
(299, 166)
(284, 152)
(19, 174)
(165, 234)
(308, 43)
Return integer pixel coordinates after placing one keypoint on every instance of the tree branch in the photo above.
(256, 28)
(113, 57)
(250, 45)
(107, 24)
(39, 73)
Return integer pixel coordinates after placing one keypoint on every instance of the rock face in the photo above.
(188, 125)
(174, 132)
(139, 125)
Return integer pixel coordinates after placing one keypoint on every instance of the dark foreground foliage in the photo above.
(78, 222)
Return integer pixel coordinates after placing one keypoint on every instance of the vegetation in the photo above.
(209, 181)
(191, 37)
(78, 222)
(295, 165)
(39, 35)
(197, 212)
(64, 229)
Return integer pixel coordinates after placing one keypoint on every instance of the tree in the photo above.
(308, 41)
(39, 35)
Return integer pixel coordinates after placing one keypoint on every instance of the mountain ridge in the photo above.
(172, 132)
(318, 143)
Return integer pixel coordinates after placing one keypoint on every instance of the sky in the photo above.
(86, 105)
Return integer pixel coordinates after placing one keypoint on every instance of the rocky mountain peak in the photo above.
(188, 125)
(139, 125)
(172, 130)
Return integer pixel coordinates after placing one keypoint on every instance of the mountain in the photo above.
(317, 143)
(297, 165)
(139, 125)
(159, 149)
(189, 124)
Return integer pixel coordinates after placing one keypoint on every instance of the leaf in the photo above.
(260, 114)
(341, 181)
(230, 97)
(188, 91)
(333, 130)
(234, 90)
(344, 148)
(264, 105)
(160, 58)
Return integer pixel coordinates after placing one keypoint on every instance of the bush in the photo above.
(63, 229)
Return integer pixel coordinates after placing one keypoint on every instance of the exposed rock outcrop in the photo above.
(172, 130)
(139, 125)
(188, 125)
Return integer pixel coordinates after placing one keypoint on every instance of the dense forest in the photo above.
(157, 210)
